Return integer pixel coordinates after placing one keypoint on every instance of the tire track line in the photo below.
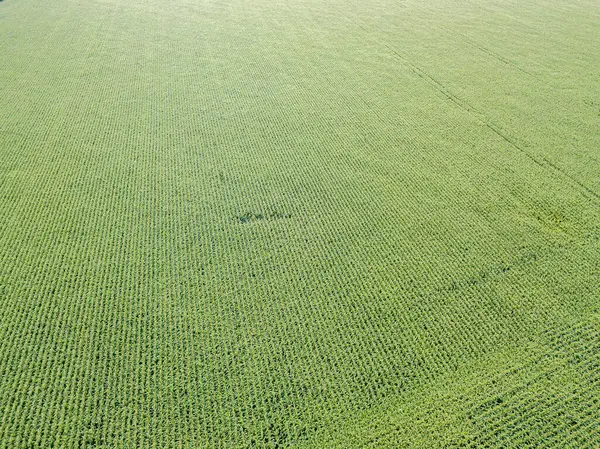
(539, 160)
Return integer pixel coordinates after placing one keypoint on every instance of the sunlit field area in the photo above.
(307, 224)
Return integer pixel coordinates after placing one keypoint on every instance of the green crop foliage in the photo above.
(299, 224)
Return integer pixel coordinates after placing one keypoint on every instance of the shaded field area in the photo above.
(276, 224)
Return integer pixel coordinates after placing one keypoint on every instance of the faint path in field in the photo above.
(540, 160)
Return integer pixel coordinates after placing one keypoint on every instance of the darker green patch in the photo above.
(250, 216)
(257, 216)
(491, 273)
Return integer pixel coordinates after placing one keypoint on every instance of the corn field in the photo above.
(299, 224)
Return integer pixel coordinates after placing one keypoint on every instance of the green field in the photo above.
(299, 224)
